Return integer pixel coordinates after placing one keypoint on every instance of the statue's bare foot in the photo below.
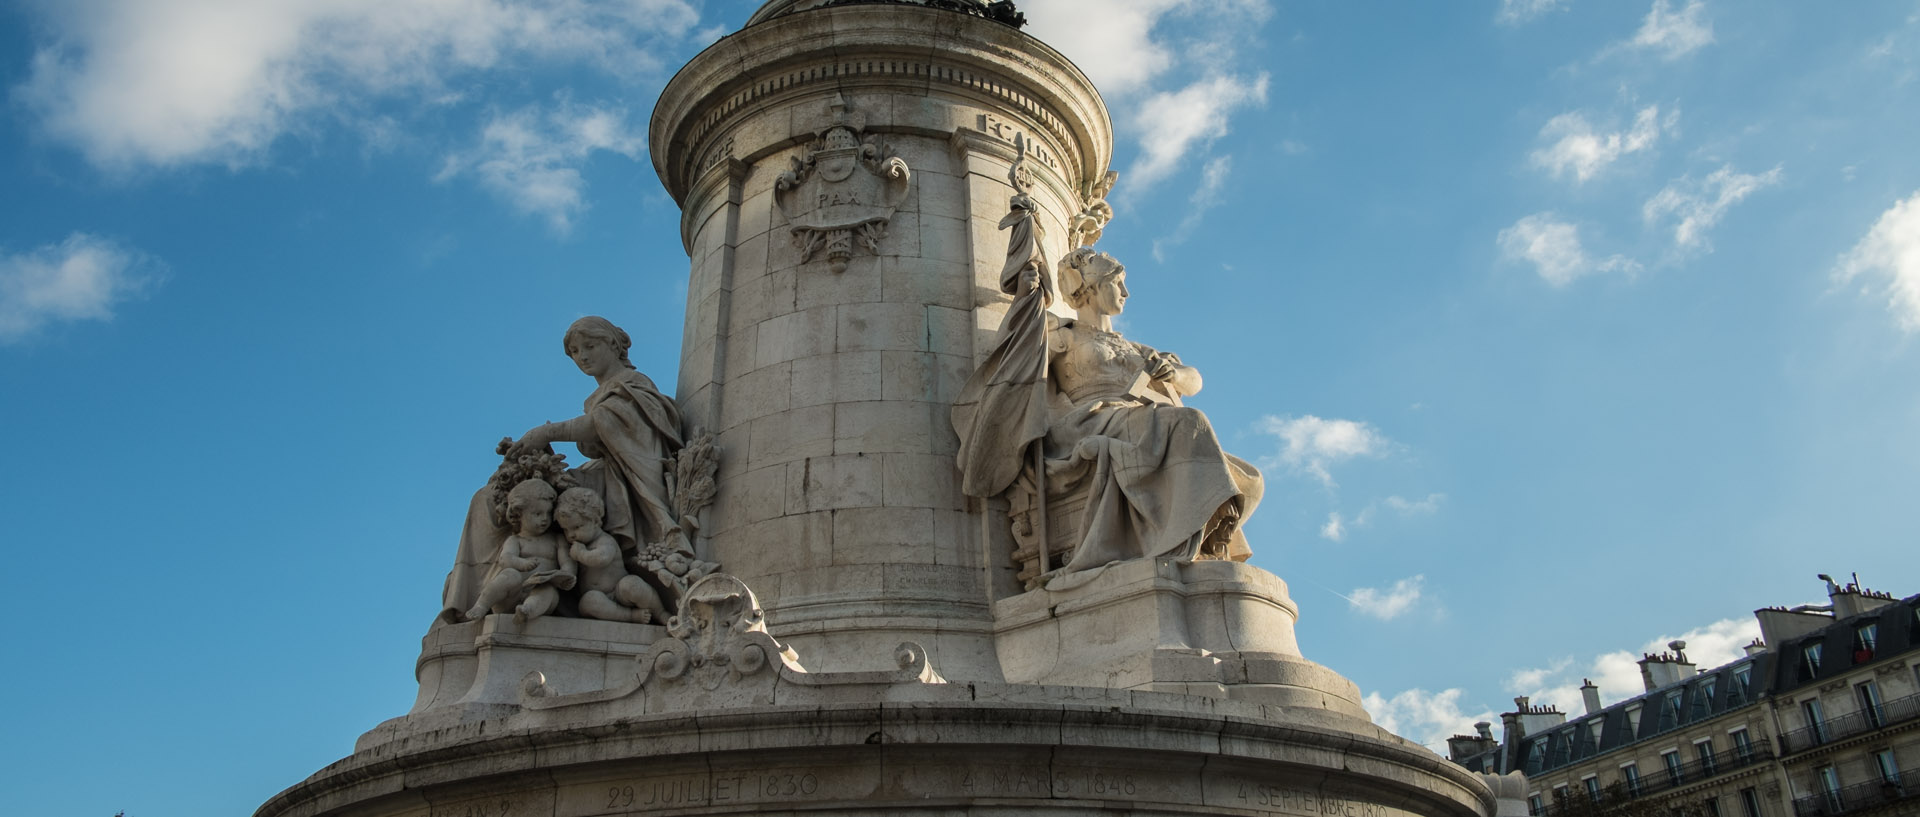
(520, 615)
(643, 616)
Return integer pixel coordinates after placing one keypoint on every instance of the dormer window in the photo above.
(1810, 660)
(1866, 638)
(1742, 684)
(1703, 696)
(1670, 710)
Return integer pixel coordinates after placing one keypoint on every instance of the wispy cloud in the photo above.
(1188, 120)
(1553, 248)
(1312, 444)
(1170, 70)
(1335, 529)
(1617, 673)
(1580, 150)
(1338, 526)
(81, 278)
(1428, 718)
(1412, 506)
(1390, 603)
(531, 158)
(1213, 179)
(1695, 207)
(1672, 34)
(1516, 12)
(161, 83)
(1890, 253)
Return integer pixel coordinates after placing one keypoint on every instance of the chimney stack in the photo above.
(1756, 648)
(1591, 695)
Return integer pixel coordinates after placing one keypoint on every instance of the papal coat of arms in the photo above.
(843, 190)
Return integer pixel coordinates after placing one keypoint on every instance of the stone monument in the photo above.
(917, 532)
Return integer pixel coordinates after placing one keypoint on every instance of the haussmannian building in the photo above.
(1821, 716)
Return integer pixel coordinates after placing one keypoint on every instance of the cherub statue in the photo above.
(607, 590)
(533, 564)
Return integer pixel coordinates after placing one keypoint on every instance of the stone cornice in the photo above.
(858, 48)
(1098, 720)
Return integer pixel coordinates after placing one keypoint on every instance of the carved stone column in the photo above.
(842, 172)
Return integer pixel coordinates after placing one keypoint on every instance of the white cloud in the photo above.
(1213, 179)
(1335, 529)
(532, 158)
(1422, 506)
(1617, 673)
(1578, 149)
(1390, 603)
(1696, 206)
(1515, 12)
(1428, 718)
(1891, 251)
(1188, 120)
(1169, 69)
(137, 83)
(1113, 46)
(1553, 248)
(81, 278)
(1673, 35)
(1338, 526)
(1311, 444)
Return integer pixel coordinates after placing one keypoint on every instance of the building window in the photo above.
(1703, 696)
(1869, 694)
(1593, 787)
(1559, 798)
(1704, 750)
(1742, 744)
(1866, 638)
(1810, 661)
(1816, 723)
(1670, 711)
(1536, 755)
(1712, 807)
(1749, 803)
(1674, 774)
(1534, 806)
(1633, 721)
(1827, 782)
(1889, 770)
(1631, 773)
(1743, 683)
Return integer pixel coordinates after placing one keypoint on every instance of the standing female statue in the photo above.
(1156, 481)
(630, 433)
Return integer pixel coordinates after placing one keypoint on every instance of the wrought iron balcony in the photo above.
(1854, 799)
(1660, 780)
(1898, 710)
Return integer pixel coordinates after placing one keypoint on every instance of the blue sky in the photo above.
(1561, 328)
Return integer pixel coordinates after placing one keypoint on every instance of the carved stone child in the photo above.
(607, 590)
(533, 565)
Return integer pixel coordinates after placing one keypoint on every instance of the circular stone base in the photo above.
(1000, 749)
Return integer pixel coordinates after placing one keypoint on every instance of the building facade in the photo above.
(1820, 717)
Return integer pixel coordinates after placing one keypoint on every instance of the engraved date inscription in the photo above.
(1298, 801)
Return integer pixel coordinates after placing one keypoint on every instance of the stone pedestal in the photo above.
(842, 171)
(1217, 629)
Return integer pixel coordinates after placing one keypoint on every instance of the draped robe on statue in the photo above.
(638, 431)
(1003, 406)
(1157, 481)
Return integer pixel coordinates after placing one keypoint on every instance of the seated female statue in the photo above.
(1157, 482)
